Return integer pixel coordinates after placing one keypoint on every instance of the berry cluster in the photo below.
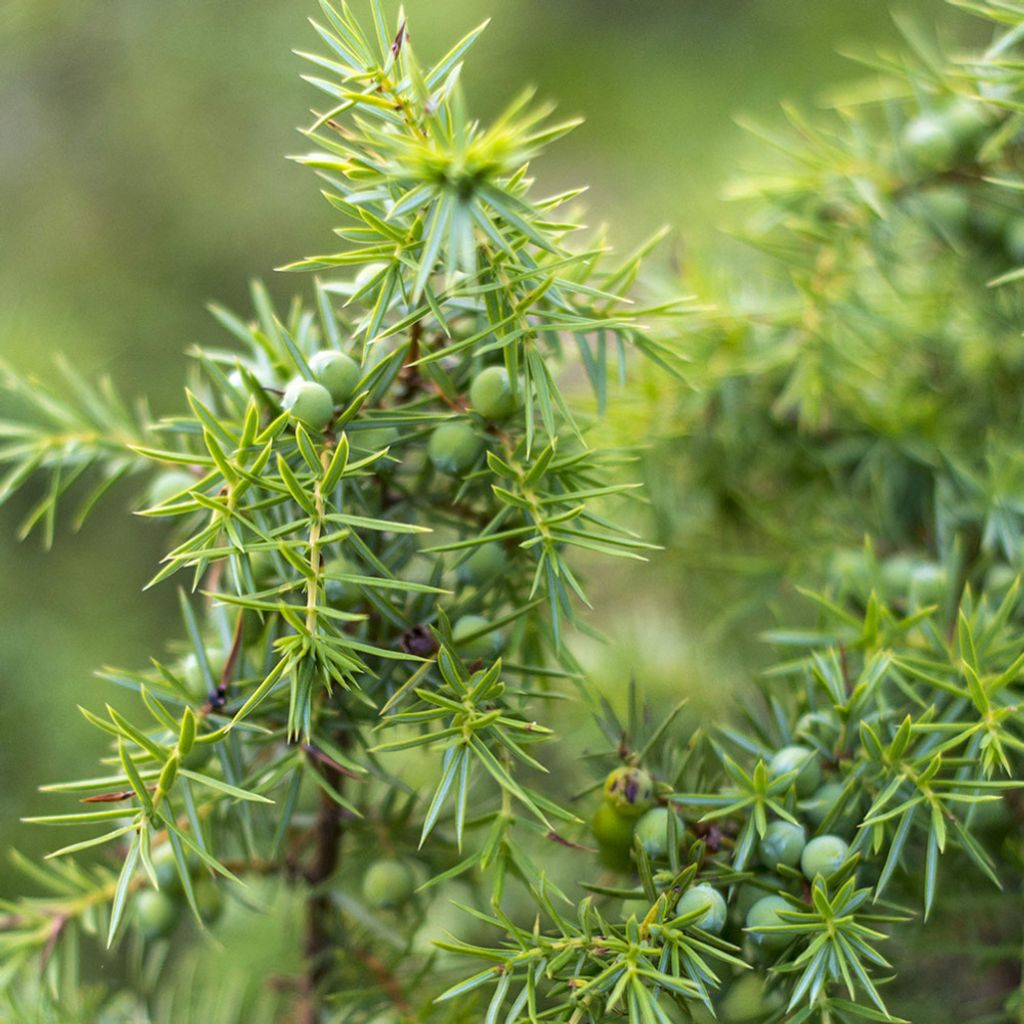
(637, 818)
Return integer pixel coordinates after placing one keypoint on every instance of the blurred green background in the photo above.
(142, 174)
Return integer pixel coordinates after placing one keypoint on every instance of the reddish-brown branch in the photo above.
(318, 944)
(385, 979)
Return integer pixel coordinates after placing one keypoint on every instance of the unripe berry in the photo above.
(263, 375)
(388, 883)
(748, 893)
(851, 569)
(896, 575)
(165, 867)
(928, 584)
(374, 439)
(454, 447)
(794, 758)
(191, 673)
(340, 594)
(823, 855)
(653, 831)
(337, 372)
(156, 914)
(936, 141)
(471, 640)
(782, 843)
(172, 483)
(819, 805)
(706, 897)
(612, 829)
(209, 901)
(491, 395)
(197, 759)
(765, 913)
(309, 403)
(635, 908)
(486, 562)
(967, 124)
(695, 1013)
(746, 1000)
(629, 790)
(930, 143)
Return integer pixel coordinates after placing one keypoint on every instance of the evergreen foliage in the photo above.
(377, 503)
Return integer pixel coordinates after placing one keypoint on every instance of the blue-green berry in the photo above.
(653, 831)
(817, 807)
(337, 372)
(374, 439)
(309, 403)
(782, 843)
(766, 913)
(750, 892)
(196, 760)
(823, 855)
(172, 483)
(801, 759)
(709, 899)
(155, 914)
(165, 865)
(635, 908)
(192, 675)
(487, 562)
(968, 125)
(476, 638)
(454, 447)
(746, 999)
(209, 901)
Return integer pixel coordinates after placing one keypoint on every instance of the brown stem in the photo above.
(317, 945)
(385, 979)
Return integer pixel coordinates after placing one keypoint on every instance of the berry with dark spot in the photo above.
(629, 790)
